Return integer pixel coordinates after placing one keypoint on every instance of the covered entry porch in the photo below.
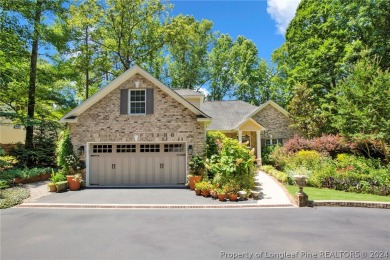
(248, 132)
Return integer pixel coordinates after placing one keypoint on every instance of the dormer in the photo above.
(194, 97)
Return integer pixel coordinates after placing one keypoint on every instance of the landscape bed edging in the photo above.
(362, 204)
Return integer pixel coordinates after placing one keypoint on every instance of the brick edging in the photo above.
(149, 206)
(362, 204)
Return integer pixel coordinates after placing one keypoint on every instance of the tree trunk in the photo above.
(87, 67)
(385, 151)
(33, 77)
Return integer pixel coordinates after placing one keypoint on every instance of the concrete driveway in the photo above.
(272, 196)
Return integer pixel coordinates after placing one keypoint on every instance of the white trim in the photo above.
(120, 80)
(203, 119)
(129, 102)
(258, 145)
(87, 166)
(240, 136)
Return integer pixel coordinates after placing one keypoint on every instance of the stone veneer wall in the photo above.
(171, 121)
(277, 124)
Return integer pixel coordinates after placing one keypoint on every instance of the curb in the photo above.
(342, 203)
(147, 206)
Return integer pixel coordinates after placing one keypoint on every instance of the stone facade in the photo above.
(170, 122)
(277, 124)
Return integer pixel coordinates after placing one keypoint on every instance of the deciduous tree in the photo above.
(362, 104)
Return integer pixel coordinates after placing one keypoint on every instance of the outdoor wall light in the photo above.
(190, 149)
(80, 150)
(136, 84)
(135, 138)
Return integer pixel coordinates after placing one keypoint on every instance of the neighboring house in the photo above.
(137, 131)
(10, 133)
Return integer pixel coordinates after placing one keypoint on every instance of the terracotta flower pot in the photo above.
(72, 184)
(193, 180)
(213, 194)
(221, 197)
(198, 192)
(206, 193)
(233, 197)
(192, 185)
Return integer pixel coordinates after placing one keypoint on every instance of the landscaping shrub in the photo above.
(214, 140)
(3, 184)
(57, 177)
(347, 172)
(297, 143)
(196, 165)
(265, 154)
(329, 145)
(43, 152)
(358, 164)
(66, 159)
(10, 174)
(305, 159)
(230, 160)
(279, 158)
(7, 161)
(13, 196)
(279, 175)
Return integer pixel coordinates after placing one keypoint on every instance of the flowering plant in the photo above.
(78, 177)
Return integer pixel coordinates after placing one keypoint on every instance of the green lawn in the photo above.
(328, 194)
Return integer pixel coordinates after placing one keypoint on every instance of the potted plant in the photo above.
(61, 186)
(221, 194)
(55, 177)
(205, 187)
(232, 188)
(75, 182)
(242, 194)
(198, 192)
(213, 192)
(196, 167)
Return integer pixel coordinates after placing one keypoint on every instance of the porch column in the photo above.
(258, 144)
(240, 136)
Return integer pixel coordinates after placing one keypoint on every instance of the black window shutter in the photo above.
(124, 102)
(149, 101)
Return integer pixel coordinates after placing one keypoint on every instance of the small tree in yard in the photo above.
(66, 158)
(362, 106)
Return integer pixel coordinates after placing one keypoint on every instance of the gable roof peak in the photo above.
(74, 113)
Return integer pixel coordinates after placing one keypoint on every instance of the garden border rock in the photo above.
(342, 203)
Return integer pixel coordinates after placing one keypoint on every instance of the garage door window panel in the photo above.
(126, 148)
(150, 148)
(102, 148)
(173, 148)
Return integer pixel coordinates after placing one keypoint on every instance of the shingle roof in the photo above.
(188, 92)
(226, 114)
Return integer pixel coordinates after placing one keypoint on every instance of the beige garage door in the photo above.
(137, 164)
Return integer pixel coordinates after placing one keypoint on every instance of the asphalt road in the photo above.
(275, 233)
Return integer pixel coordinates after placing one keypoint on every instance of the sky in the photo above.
(262, 21)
